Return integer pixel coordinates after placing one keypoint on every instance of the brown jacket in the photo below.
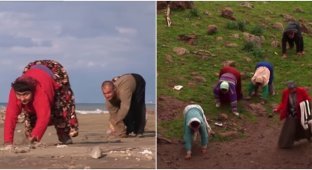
(118, 107)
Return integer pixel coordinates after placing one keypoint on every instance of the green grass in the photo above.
(258, 20)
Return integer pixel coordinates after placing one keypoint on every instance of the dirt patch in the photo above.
(168, 107)
(256, 147)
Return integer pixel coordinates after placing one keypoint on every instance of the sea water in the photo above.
(92, 108)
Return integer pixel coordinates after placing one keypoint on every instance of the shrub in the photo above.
(194, 12)
(241, 25)
(249, 46)
(232, 25)
(252, 48)
(257, 30)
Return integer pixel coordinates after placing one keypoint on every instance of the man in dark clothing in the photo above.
(125, 101)
(292, 34)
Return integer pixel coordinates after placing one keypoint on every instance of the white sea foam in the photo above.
(96, 111)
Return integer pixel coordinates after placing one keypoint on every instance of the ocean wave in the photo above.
(96, 111)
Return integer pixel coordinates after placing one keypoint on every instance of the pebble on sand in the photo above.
(96, 152)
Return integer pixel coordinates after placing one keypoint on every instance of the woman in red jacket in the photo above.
(289, 109)
(43, 93)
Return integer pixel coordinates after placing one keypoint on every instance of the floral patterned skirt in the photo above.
(63, 113)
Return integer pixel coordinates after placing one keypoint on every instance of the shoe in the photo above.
(140, 135)
(66, 139)
(236, 114)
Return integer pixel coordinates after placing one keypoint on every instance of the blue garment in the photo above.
(188, 132)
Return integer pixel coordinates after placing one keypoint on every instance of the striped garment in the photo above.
(231, 95)
(305, 111)
(229, 77)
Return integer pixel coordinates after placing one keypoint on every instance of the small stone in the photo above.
(96, 152)
(212, 29)
(219, 38)
(179, 50)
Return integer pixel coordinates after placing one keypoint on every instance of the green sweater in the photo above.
(188, 132)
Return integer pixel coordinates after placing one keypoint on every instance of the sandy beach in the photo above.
(131, 152)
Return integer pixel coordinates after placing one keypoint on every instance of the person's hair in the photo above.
(195, 124)
(108, 83)
(23, 84)
(291, 85)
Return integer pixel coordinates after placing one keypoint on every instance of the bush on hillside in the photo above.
(194, 12)
(257, 30)
(239, 25)
(252, 48)
(232, 25)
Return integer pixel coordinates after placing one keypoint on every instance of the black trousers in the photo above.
(298, 42)
(136, 118)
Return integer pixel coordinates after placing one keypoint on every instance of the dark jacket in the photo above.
(297, 39)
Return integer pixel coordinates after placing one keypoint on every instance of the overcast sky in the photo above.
(94, 41)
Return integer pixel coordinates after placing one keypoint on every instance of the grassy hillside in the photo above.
(258, 20)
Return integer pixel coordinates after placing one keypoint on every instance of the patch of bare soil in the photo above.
(256, 149)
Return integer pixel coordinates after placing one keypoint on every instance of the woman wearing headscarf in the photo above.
(289, 109)
(43, 93)
(262, 79)
(228, 88)
(195, 122)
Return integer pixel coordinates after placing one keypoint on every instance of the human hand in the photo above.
(275, 110)
(113, 123)
(211, 133)
(73, 132)
(187, 156)
(218, 105)
(204, 150)
(32, 139)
